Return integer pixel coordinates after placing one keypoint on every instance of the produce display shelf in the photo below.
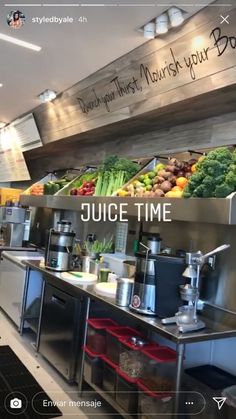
(205, 210)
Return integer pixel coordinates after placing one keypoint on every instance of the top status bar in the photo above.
(114, 5)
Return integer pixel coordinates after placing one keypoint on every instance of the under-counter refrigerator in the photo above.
(12, 282)
(62, 330)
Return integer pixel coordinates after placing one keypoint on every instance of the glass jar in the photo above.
(113, 341)
(131, 362)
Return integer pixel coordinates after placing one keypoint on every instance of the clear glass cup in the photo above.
(185, 315)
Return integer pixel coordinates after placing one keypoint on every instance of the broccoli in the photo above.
(223, 190)
(230, 179)
(232, 167)
(208, 187)
(186, 193)
(198, 192)
(212, 167)
(234, 156)
(219, 179)
(221, 154)
(195, 180)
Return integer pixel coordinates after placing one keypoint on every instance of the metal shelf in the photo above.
(110, 401)
(205, 210)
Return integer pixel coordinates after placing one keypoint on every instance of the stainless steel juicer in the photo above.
(186, 318)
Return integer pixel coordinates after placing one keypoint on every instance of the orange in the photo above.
(193, 168)
(182, 182)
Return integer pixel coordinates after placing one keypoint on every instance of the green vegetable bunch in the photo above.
(98, 246)
(113, 173)
(86, 177)
(215, 175)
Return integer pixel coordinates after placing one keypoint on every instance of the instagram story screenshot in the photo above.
(118, 209)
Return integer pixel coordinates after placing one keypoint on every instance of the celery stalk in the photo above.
(98, 186)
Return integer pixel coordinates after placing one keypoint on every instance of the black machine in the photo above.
(157, 280)
(169, 276)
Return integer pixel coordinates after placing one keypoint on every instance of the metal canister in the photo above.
(154, 244)
(86, 263)
(124, 291)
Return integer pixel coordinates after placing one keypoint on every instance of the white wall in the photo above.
(224, 354)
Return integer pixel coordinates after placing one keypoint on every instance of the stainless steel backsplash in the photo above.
(219, 287)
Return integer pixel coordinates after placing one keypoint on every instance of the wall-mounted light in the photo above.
(47, 95)
(176, 16)
(2, 124)
(1, 84)
(149, 30)
(162, 24)
(19, 42)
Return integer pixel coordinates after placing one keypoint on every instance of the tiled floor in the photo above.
(54, 385)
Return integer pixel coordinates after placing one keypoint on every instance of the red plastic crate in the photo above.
(113, 341)
(160, 353)
(96, 336)
(158, 373)
(131, 357)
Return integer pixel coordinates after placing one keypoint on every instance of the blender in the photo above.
(186, 318)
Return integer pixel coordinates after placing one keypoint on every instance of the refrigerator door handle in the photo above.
(59, 301)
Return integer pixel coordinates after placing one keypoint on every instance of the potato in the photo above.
(188, 175)
(164, 174)
(159, 179)
(166, 186)
(172, 180)
(172, 168)
(159, 193)
(155, 187)
(177, 163)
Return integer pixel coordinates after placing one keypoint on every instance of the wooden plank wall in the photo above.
(195, 59)
(175, 114)
(204, 133)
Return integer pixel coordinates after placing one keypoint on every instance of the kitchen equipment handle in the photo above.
(59, 301)
(169, 320)
(217, 250)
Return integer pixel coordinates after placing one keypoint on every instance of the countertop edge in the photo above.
(178, 338)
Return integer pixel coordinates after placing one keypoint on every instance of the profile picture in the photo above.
(15, 19)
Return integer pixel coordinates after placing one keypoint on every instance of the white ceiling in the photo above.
(70, 52)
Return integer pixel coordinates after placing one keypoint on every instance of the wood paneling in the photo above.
(203, 133)
(166, 58)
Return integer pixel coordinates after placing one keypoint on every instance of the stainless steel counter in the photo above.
(219, 323)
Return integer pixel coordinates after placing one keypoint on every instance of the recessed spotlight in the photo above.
(149, 30)
(47, 95)
(19, 42)
(176, 16)
(162, 24)
(2, 124)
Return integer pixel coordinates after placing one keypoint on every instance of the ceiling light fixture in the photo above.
(162, 24)
(149, 30)
(2, 124)
(47, 95)
(1, 84)
(19, 42)
(176, 16)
